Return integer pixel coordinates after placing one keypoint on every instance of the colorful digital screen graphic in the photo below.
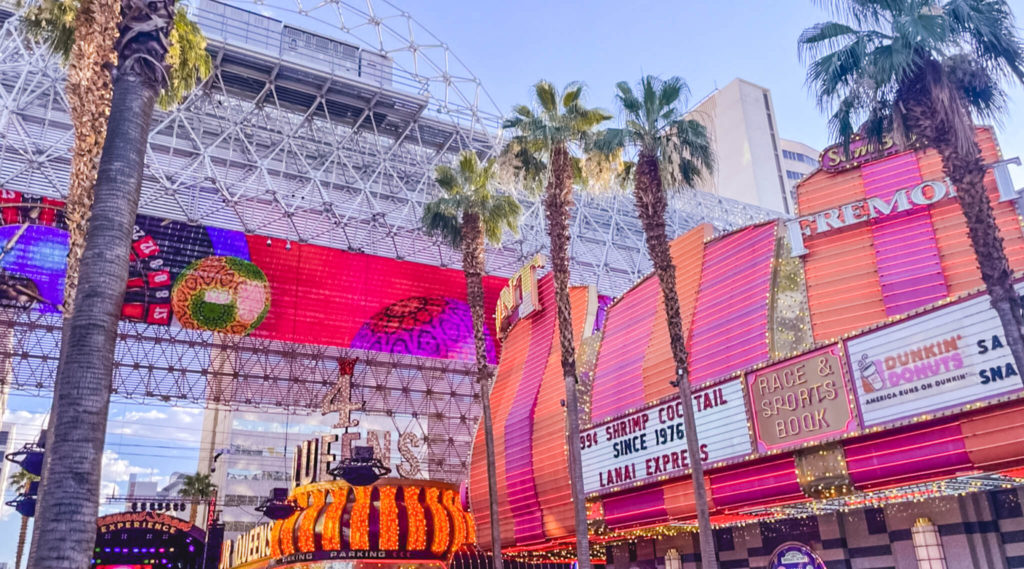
(319, 295)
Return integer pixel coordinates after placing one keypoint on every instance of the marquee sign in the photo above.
(837, 157)
(801, 400)
(519, 298)
(923, 194)
(941, 360)
(651, 444)
(143, 520)
(825, 221)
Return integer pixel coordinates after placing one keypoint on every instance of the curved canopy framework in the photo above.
(322, 123)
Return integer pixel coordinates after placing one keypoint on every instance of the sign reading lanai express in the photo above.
(941, 360)
(651, 443)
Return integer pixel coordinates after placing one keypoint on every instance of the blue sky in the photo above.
(509, 45)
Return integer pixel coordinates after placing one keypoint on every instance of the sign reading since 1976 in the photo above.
(800, 400)
(651, 443)
(943, 359)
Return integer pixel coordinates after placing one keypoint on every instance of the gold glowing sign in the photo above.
(519, 298)
(801, 400)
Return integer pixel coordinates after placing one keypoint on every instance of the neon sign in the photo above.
(923, 194)
(519, 298)
(835, 158)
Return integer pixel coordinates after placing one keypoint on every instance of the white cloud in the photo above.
(176, 424)
(27, 425)
(117, 469)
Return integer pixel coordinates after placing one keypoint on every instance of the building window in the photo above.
(673, 560)
(798, 157)
(794, 175)
(927, 545)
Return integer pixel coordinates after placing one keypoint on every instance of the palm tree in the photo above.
(198, 487)
(21, 480)
(82, 33)
(148, 42)
(468, 213)
(550, 141)
(672, 151)
(924, 68)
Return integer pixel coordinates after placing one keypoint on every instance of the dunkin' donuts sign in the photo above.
(651, 444)
(941, 360)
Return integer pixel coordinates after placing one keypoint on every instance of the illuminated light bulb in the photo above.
(308, 522)
(441, 530)
(359, 522)
(388, 518)
(417, 538)
(275, 539)
(288, 527)
(331, 533)
(458, 521)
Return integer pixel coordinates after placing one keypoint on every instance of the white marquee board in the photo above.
(941, 360)
(650, 444)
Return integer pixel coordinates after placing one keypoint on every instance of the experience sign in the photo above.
(651, 444)
(943, 359)
(801, 400)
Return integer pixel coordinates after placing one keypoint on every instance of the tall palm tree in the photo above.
(672, 151)
(82, 33)
(145, 47)
(925, 68)
(198, 487)
(21, 480)
(550, 140)
(468, 213)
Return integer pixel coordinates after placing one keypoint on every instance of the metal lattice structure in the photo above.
(322, 123)
(173, 365)
(323, 126)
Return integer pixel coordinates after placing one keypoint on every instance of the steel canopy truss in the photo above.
(172, 365)
(304, 137)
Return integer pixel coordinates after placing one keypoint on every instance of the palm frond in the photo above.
(652, 125)
(547, 96)
(865, 62)
(468, 188)
(189, 61)
(556, 119)
(52, 22)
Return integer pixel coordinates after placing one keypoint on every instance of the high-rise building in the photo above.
(798, 160)
(741, 123)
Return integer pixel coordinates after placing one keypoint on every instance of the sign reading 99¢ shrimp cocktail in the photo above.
(940, 360)
(649, 444)
(801, 400)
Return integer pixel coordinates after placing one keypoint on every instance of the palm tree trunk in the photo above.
(950, 130)
(651, 204)
(88, 89)
(67, 510)
(193, 511)
(473, 267)
(557, 201)
(22, 534)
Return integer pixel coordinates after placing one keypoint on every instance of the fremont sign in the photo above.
(923, 194)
